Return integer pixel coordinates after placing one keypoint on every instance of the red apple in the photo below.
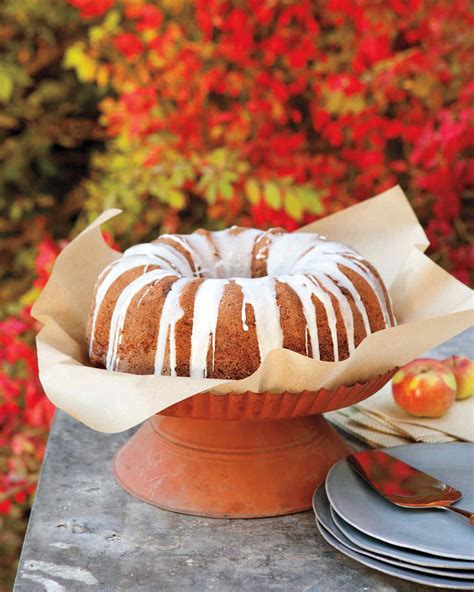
(463, 370)
(424, 388)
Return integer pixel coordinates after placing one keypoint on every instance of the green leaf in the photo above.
(205, 180)
(6, 86)
(272, 195)
(76, 59)
(218, 156)
(112, 20)
(30, 296)
(211, 193)
(16, 211)
(225, 189)
(230, 176)
(176, 199)
(180, 174)
(293, 205)
(253, 191)
(311, 199)
(72, 55)
(337, 103)
(177, 177)
(96, 34)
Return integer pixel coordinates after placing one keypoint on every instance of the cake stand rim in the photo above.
(217, 405)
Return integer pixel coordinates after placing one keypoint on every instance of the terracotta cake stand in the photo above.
(238, 455)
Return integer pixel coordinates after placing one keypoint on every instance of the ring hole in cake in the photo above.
(213, 304)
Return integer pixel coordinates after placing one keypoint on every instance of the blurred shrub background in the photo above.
(211, 113)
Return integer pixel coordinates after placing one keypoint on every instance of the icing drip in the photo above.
(284, 252)
(333, 254)
(326, 301)
(328, 270)
(120, 312)
(260, 294)
(206, 311)
(181, 240)
(162, 253)
(308, 263)
(205, 257)
(344, 307)
(235, 250)
(375, 283)
(144, 254)
(111, 273)
(304, 289)
(322, 262)
(171, 313)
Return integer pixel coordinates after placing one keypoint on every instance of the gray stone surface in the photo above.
(85, 533)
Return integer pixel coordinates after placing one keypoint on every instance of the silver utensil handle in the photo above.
(461, 512)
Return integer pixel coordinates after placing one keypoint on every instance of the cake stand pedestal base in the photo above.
(229, 469)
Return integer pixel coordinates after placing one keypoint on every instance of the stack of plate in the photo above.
(432, 547)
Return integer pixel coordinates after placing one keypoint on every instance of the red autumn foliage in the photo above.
(129, 45)
(25, 412)
(345, 98)
(90, 9)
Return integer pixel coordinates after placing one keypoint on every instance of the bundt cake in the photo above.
(213, 304)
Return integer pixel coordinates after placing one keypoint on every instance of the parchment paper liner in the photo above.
(431, 306)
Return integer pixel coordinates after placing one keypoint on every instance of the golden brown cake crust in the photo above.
(213, 304)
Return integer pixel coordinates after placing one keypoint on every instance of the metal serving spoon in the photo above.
(403, 485)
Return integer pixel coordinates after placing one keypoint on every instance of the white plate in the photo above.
(437, 532)
(392, 570)
(326, 517)
(363, 541)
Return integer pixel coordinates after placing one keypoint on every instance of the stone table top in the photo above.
(85, 533)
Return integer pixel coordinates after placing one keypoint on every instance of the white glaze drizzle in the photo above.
(120, 312)
(171, 313)
(205, 255)
(144, 254)
(330, 269)
(206, 312)
(304, 289)
(226, 255)
(285, 251)
(182, 241)
(162, 252)
(235, 250)
(308, 263)
(344, 255)
(325, 258)
(331, 316)
(375, 283)
(111, 273)
(344, 308)
(260, 294)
